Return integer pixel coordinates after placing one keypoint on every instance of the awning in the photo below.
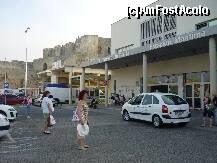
(193, 43)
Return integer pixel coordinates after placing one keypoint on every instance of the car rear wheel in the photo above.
(126, 116)
(157, 122)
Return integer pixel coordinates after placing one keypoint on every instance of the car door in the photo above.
(136, 104)
(130, 107)
(146, 107)
(154, 109)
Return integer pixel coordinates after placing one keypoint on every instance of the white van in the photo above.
(59, 91)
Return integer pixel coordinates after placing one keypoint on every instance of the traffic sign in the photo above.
(6, 85)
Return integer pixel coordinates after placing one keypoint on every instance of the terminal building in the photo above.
(175, 54)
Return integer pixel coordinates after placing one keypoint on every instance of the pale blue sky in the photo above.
(54, 22)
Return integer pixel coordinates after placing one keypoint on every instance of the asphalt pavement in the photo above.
(112, 140)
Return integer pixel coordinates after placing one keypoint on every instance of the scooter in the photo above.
(93, 103)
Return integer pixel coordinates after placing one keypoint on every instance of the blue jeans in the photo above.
(28, 109)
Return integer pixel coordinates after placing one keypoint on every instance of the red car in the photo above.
(11, 99)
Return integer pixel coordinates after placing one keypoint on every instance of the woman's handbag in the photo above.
(83, 130)
(52, 120)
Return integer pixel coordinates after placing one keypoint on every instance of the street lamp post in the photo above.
(5, 81)
(26, 75)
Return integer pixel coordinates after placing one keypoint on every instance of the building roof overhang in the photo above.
(67, 69)
(188, 44)
(45, 72)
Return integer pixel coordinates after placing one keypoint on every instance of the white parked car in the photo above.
(8, 111)
(4, 126)
(158, 108)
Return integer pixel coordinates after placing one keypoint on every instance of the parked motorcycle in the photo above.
(93, 103)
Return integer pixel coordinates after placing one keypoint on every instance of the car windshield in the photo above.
(173, 100)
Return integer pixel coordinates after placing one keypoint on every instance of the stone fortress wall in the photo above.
(71, 54)
(15, 71)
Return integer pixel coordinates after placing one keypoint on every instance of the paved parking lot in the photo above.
(112, 140)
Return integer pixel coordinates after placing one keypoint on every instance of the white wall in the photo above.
(126, 78)
(127, 31)
(54, 79)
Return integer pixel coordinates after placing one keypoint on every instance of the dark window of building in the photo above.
(188, 90)
(201, 25)
(115, 86)
(143, 28)
(193, 77)
(148, 28)
(206, 76)
(166, 23)
(92, 93)
(206, 24)
(153, 26)
(142, 31)
(99, 50)
(45, 66)
(141, 85)
(159, 24)
(109, 50)
(173, 22)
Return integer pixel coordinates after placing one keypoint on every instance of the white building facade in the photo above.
(174, 54)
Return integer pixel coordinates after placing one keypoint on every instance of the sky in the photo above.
(55, 22)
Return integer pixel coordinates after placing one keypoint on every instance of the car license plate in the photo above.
(179, 113)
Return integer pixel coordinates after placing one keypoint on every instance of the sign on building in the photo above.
(57, 64)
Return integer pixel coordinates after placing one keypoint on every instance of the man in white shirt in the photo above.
(46, 106)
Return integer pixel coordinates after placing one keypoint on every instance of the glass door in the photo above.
(206, 89)
(193, 95)
(189, 94)
(197, 96)
(173, 89)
